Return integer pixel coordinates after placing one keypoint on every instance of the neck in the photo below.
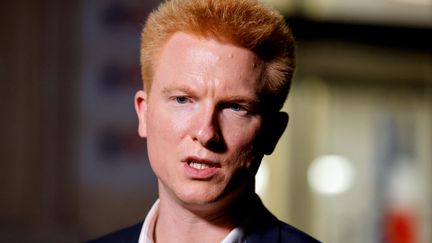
(209, 223)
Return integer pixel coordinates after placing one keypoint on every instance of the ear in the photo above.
(141, 110)
(273, 129)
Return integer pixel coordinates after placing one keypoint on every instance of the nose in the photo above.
(207, 131)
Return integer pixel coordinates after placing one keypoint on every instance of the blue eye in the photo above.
(236, 107)
(181, 99)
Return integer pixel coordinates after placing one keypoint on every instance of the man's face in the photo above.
(201, 119)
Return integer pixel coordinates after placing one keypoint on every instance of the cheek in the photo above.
(164, 125)
(242, 136)
(241, 145)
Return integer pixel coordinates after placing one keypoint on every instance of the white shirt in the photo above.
(235, 236)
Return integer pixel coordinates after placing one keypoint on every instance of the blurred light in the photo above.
(331, 174)
(261, 179)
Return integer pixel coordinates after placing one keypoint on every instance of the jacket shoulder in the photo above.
(280, 232)
(263, 226)
(127, 235)
(288, 233)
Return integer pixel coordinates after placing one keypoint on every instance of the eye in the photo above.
(181, 99)
(236, 107)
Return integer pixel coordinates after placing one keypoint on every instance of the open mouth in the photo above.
(200, 169)
(201, 164)
(198, 165)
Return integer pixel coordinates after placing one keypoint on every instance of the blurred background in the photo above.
(354, 165)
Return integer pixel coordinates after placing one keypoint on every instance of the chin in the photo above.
(199, 197)
(202, 198)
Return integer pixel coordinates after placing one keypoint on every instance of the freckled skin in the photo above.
(212, 79)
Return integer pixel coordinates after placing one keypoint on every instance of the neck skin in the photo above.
(209, 223)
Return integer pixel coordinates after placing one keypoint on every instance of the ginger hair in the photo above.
(245, 23)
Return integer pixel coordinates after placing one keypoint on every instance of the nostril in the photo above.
(211, 139)
(207, 131)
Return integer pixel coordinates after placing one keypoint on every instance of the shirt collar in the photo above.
(146, 236)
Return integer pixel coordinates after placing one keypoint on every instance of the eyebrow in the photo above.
(240, 98)
(182, 88)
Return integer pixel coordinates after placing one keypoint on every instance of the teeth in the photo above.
(198, 166)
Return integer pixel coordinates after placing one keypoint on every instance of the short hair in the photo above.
(245, 23)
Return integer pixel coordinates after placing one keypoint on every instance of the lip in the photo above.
(200, 174)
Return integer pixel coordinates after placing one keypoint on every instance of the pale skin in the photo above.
(201, 121)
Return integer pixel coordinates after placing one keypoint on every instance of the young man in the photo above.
(216, 74)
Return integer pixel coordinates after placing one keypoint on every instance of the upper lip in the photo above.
(201, 160)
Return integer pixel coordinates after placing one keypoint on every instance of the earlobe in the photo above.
(141, 111)
(274, 128)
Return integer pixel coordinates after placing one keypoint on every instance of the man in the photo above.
(216, 74)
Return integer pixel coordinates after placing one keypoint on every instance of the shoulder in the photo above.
(289, 233)
(281, 232)
(263, 226)
(126, 235)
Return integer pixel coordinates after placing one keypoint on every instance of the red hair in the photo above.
(246, 23)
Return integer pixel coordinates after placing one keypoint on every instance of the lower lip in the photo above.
(200, 174)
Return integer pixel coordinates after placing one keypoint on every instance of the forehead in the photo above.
(208, 59)
(190, 44)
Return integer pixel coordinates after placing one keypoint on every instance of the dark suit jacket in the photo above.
(261, 227)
